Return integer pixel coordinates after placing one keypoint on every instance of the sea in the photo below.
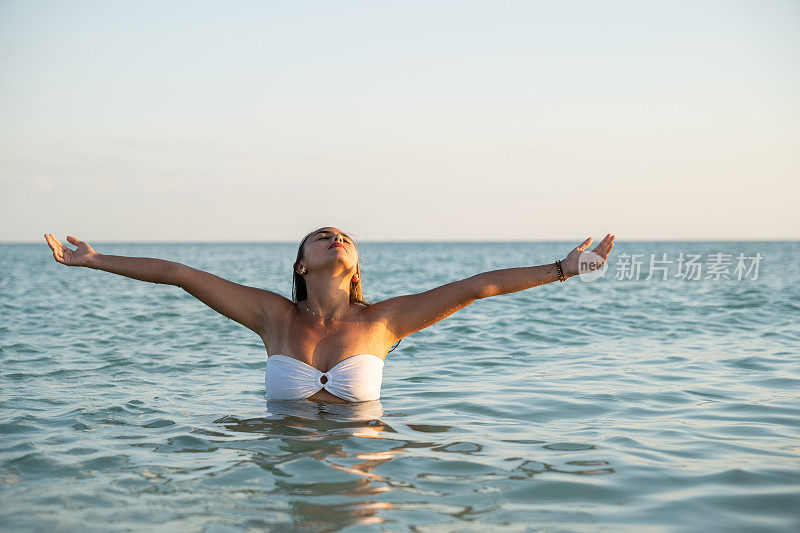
(660, 394)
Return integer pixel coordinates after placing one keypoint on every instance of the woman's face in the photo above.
(328, 246)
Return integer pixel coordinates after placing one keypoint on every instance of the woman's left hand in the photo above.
(571, 265)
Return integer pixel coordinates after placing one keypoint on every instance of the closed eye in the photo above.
(325, 236)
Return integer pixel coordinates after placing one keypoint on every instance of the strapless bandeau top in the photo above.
(357, 378)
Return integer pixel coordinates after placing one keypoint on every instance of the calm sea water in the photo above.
(618, 405)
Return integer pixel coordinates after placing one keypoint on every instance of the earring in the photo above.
(302, 269)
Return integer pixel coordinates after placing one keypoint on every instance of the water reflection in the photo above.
(318, 459)
(371, 410)
(338, 465)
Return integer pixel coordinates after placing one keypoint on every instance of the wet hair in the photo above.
(300, 290)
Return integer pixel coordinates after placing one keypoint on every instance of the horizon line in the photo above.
(403, 241)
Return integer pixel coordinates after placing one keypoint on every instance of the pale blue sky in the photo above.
(458, 120)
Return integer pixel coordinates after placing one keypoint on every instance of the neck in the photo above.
(328, 295)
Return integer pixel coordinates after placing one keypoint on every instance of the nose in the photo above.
(338, 238)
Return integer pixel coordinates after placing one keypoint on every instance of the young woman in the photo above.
(327, 343)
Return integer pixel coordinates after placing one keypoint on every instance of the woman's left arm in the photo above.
(408, 314)
(518, 279)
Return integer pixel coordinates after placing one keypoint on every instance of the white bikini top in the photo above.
(356, 379)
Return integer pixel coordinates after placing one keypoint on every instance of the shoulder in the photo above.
(381, 311)
(276, 307)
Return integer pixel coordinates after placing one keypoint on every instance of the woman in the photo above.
(328, 344)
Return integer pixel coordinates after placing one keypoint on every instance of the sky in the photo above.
(399, 121)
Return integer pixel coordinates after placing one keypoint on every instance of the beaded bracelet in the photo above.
(560, 272)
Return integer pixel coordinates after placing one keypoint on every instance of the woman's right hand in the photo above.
(66, 256)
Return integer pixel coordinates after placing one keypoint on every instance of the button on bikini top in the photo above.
(356, 379)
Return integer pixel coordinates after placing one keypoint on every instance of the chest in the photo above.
(322, 345)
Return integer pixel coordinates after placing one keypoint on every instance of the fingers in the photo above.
(610, 245)
(52, 241)
(600, 245)
(604, 248)
(57, 248)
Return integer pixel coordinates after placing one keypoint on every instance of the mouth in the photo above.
(335, 244)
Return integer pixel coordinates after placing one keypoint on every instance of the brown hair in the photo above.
(299, 289)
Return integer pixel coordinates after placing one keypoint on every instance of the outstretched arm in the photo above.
(252, 307)
(408, 314)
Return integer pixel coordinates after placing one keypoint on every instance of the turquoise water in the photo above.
(617, 405)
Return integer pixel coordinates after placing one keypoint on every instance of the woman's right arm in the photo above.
(254, 308)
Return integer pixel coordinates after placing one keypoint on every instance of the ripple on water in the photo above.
(668, 406)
